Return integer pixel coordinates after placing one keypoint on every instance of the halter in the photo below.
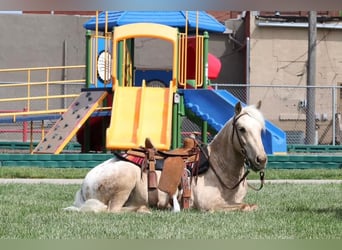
(243, 151)
(246, 161)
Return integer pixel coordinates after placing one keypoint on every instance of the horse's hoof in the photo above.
(249, 207)
(144, 210)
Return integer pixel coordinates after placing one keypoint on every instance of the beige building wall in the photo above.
(278, 56)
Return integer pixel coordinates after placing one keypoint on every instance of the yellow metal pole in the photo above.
(47, 89)
(181, 58)
(200, 61)
(28, 89)
(186, 49)
(41, 68)
(96, 43)
(197, 52)
(42, 129)
(106, 48)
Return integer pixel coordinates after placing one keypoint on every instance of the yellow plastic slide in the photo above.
(140, 112)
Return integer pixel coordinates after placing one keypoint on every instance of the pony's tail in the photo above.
(79, 201)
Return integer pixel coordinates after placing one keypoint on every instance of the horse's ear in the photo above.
(258, 105)
(238, 108)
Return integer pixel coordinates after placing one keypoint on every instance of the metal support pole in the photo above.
(248, 61)
(65, 63)
(205, 84)
(334, 116)
(311, 72)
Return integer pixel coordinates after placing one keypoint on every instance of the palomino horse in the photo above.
(117, 185)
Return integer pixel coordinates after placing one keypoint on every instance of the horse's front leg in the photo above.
(235, 207)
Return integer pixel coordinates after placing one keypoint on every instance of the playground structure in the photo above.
(184, 88)
(126, 94)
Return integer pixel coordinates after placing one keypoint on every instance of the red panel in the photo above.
(214, 64)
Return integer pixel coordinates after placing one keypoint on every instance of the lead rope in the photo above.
(218, 177)
(236, 185)
(262, 181)
(262, 178)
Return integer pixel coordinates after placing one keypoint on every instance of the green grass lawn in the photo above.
(79, 173)
(286, 211)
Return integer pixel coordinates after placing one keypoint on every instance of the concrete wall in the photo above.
(231, 57)
(155, 53)
(279, 56)
(37, 40)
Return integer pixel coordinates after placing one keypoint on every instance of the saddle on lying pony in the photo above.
(177, 168)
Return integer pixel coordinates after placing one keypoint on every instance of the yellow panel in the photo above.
(145, 30)
(138, 113)
(156, 114)
(122, 132)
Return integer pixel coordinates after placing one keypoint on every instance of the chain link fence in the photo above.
(308, 115)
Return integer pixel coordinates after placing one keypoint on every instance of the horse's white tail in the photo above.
(79, 199)
(82, 205)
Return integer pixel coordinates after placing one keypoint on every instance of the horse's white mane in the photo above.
(255, 113)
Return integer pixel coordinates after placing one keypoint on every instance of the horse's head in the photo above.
(248, 124)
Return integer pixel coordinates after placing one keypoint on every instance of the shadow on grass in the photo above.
(336, 211)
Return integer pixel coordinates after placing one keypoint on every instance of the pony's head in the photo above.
(248, 124)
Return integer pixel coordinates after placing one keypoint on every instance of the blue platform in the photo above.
(218, 106)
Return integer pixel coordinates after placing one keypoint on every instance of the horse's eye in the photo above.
(242, 130)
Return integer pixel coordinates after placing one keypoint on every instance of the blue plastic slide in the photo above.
(217, 107)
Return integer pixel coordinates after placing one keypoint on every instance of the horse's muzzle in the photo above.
(259, 163)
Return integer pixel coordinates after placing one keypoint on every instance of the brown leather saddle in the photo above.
(175, 170)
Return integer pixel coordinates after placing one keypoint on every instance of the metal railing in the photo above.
(40, 90)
